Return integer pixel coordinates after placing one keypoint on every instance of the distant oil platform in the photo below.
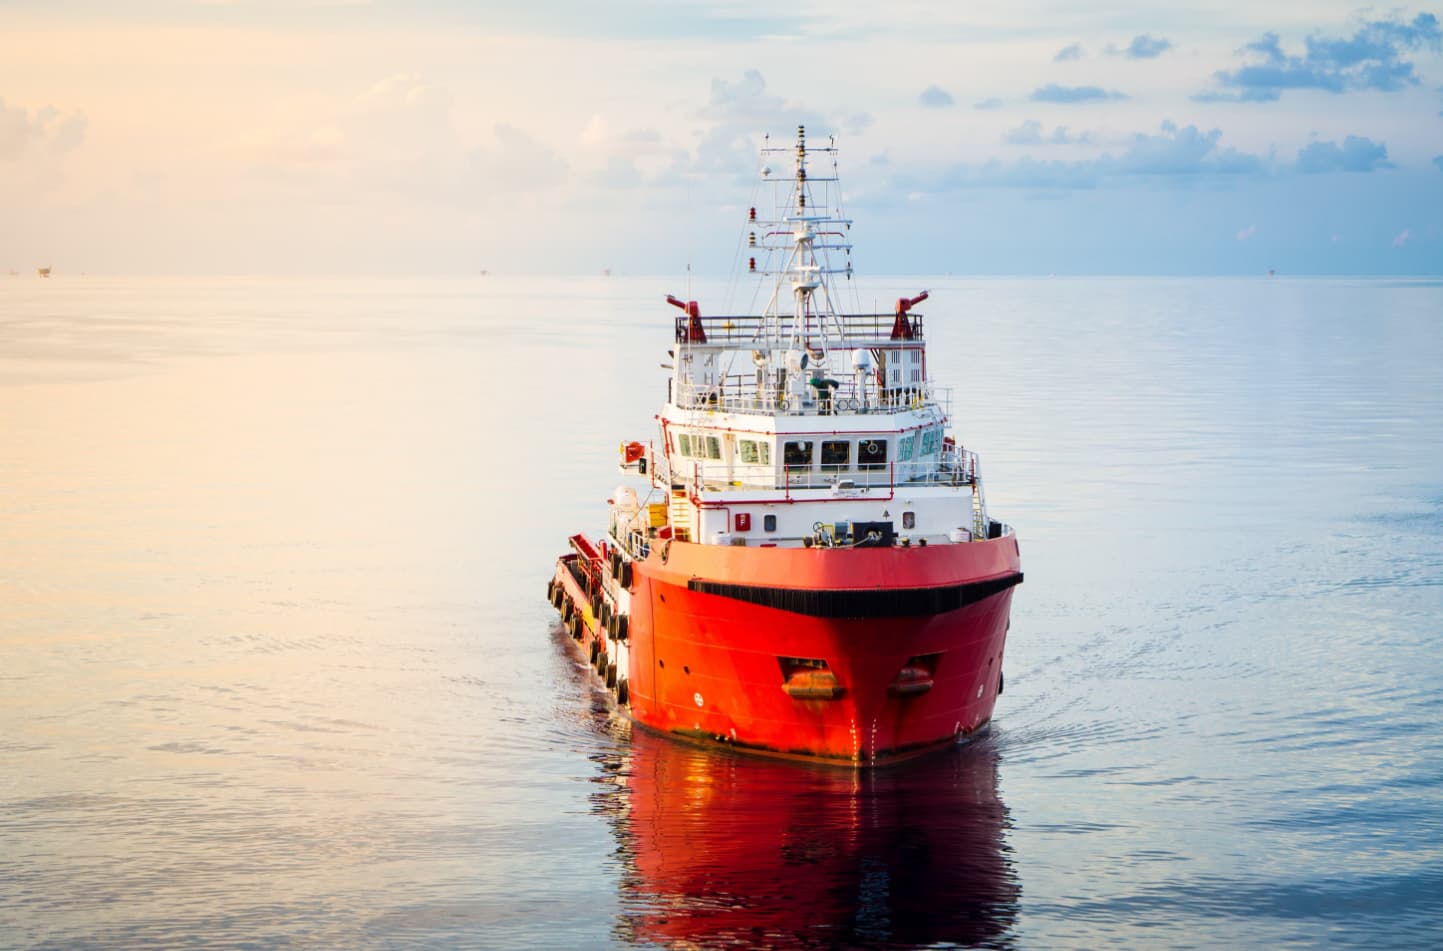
(42, 272)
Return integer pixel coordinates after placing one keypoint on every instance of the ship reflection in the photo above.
(719, 850)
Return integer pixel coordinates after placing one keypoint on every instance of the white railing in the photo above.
(950, 468)
(740, 393)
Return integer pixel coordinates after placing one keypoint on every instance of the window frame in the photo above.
(875, 464)
(833, 465)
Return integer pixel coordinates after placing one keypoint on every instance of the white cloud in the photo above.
(47, 129)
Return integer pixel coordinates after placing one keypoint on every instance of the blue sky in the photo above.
(343, 136)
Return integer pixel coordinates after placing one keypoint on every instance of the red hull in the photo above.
(861, 656)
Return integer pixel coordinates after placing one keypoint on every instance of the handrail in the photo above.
(950, 468)
(737, 393)
(839, 328)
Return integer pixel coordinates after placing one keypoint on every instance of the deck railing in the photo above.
(740, 393)
(952, 468)
(850, 329)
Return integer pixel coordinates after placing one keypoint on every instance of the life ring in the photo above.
(870, 447)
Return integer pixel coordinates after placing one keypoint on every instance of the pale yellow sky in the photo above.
(261, 136)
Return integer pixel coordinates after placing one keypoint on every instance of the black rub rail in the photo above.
(861, 602)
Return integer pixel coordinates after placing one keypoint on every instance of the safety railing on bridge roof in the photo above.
(840, 328)
(952, 468)
(740, 393)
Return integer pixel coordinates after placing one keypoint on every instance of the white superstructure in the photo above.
(800, 424)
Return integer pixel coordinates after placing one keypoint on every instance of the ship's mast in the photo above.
(806, 232)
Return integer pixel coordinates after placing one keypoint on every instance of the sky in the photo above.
(569, 136)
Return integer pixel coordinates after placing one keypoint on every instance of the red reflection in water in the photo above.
(727, 850)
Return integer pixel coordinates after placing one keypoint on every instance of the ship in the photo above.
(42, 272)
(803, 563)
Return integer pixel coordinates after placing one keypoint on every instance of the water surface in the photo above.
(276, 666)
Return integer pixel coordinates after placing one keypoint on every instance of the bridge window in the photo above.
(836, 454)
(683, 444)
(904, 447)
(755, 453)
(797, 453)
(872, 454)
(769, 523)
(713, 447)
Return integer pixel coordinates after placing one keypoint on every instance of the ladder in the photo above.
(680, 515)
(979, 506)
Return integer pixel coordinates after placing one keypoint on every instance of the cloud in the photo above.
(46, 129)
(1030, 133)
(738, 110)
(1067, 53)
(1371, 59)
(1356, 155)
(1402, 238)
(935, 97)
(988, 104)
(519, 162)
(1247, 232)
(1055, 93)
(1142, 47)
(1175, 154)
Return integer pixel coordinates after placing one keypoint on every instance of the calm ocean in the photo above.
(277, 668)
